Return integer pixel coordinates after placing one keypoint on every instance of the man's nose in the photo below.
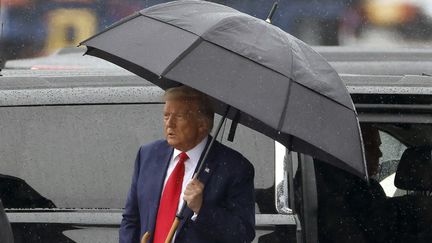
(380, 153)
(170, 121)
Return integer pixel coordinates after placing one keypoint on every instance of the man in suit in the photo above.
(351, 209)
(220, 203)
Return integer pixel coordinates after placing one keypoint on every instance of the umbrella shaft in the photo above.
(272, 11)
(179, 215)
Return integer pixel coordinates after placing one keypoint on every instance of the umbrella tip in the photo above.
(272, 11)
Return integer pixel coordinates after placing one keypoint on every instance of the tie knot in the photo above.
(183, 157)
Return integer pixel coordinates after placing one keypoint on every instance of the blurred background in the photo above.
(31, 28)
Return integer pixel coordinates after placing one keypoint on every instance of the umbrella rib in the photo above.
(196, 43)
(209, 41)
(284, 110)
(183, 54)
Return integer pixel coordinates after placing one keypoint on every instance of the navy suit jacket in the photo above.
(228, 210)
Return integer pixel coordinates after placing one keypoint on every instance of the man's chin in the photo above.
(171, 142)
(175, 144)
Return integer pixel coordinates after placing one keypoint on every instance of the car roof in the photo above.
(364, 71)
(388, 84)
(68, 77)
(382, 71)
(367, 54)
(66, 68)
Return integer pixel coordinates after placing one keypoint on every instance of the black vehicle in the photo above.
(392, 93)
(70, 126)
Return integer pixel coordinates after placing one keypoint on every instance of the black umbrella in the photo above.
(280, 85)
(277, 84)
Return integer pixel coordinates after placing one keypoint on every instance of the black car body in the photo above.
(391, 90)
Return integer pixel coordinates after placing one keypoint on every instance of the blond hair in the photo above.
(185, 93)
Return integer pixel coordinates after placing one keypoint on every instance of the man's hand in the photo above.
(193, 195)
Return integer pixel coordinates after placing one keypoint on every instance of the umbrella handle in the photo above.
(145, 237)
(172, 231)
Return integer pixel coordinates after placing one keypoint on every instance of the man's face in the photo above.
(372, 151)
(183, 126)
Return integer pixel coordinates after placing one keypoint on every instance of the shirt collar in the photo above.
(194, 154)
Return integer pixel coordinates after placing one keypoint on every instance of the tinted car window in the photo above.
(392, 150)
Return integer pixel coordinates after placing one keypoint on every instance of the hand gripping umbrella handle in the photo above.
(179, 216)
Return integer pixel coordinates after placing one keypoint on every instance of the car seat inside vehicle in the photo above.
(414, 210)
(336, 221)
(350, 209)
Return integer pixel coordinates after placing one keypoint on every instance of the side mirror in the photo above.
(282, 158)
(296, 168)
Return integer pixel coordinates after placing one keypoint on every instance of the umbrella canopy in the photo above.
(280, 86)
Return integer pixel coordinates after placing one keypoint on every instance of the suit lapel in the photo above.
(210, 163)
(163, 156)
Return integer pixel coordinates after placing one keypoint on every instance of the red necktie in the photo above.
(169, 201)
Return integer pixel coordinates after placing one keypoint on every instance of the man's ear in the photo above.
(203, 126)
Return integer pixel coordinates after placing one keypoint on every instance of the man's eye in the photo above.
(180, 116)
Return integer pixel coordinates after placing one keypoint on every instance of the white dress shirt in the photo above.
(190, 164)
(194, 155)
